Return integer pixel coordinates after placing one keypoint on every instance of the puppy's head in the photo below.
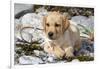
(55, 25)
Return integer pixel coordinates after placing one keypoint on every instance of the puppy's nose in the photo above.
(50, 33)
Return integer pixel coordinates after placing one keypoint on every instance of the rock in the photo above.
(89, 48)
(36, 52)
(39, 53)
(43, 53)
(44, 59)
(28, 60)
(90, 23)
(85, 52)
(50, 59)
(87, 22)
(26, 34)
(17, 28)
(22, 9)
(16, 56)
(79, 19)
(91, 54)
(37, 36)
(41, 10)
(86, 47)
(32, 21)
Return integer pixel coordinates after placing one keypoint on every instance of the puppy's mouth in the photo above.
(51, 38)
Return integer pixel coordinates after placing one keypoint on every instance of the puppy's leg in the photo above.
(54, 50)
(58, 52)
(48, 49)
(69, 52)
(77, 48)
(77, 45)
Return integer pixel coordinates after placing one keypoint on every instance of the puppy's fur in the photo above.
(63, 34)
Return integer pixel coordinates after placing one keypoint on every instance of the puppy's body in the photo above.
(65, 35)
(70, 36)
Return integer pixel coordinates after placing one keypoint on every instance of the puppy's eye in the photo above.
(57, 25)
(47, 25)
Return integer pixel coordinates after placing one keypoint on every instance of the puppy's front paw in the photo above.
(69, 52)
(59, 53)
(48, 49)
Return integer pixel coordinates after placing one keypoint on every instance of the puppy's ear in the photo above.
(65, 23)
(44, 22)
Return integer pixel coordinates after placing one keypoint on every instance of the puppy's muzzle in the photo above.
(50, 34)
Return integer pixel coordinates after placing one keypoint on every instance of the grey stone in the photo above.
(20, 7)
(51, 59)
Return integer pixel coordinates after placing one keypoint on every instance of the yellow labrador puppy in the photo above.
(64, 35)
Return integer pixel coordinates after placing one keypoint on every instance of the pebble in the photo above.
(39, 53)
(51, 59)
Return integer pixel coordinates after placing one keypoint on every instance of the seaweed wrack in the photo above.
(29, 50)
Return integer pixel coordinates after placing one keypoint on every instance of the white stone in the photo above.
(91, 54)
(42, 9)
(34, 21)
(50, 59)
(27, 60)
(39, 53)
(36, 52)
